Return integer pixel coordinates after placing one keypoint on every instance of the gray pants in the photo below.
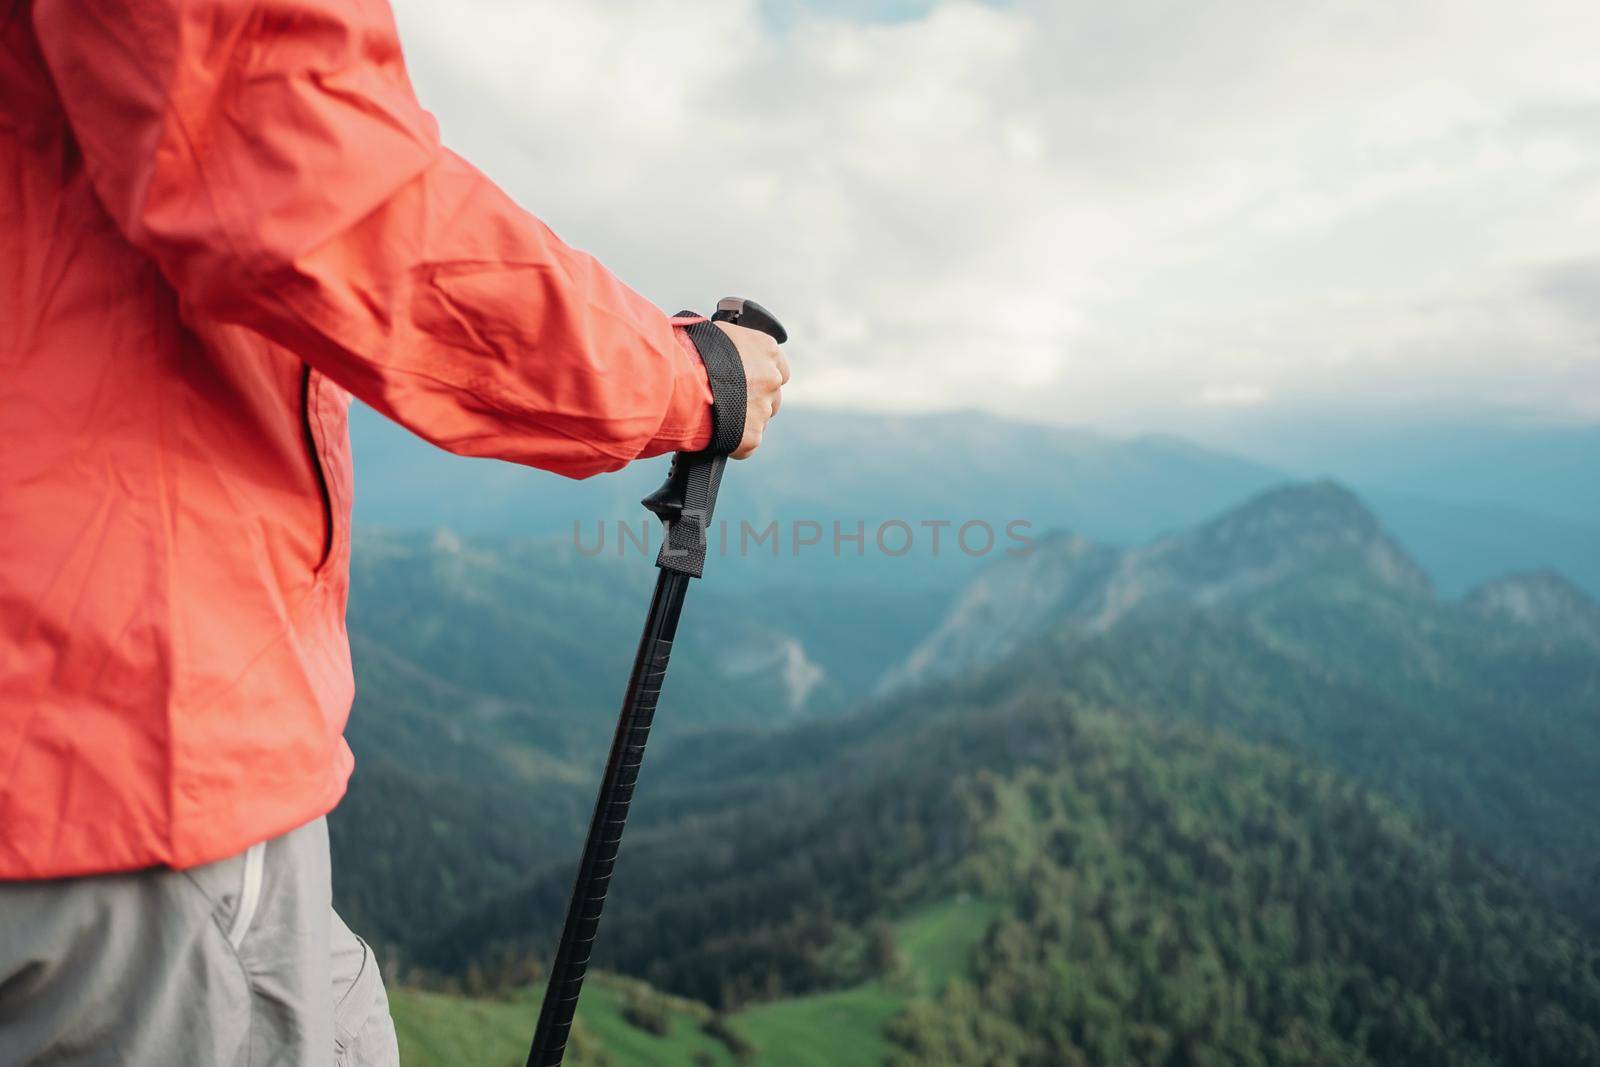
(239, 963)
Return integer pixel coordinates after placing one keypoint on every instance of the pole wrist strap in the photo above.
(725, 371)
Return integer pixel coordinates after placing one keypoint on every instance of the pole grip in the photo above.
(686, 501)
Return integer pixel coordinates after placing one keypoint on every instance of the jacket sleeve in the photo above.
(271, 157)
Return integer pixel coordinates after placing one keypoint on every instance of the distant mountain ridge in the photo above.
(827, 467)
(1282, 534)
(853, 466)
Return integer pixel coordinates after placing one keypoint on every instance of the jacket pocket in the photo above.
(311, 427)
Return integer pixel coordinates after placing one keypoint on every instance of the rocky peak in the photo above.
(1281, 534)
(1313, 526)
(1542, 601)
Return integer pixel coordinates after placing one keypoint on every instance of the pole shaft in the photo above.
(606, 825)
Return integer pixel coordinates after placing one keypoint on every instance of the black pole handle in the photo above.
(686, 500)
(751, 315)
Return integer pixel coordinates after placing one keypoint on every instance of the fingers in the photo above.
(766, 373)
(760, 412)
(747, 447)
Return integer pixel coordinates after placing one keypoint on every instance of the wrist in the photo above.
(689, 421)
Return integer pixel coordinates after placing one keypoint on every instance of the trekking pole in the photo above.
(684, 504)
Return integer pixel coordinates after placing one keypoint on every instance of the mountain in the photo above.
(1296, 619)
(538, 622)
(1008, 603)
(829, 467)
(1285, 533)
(1533, 507)
(1271, 802)
(1542, 601)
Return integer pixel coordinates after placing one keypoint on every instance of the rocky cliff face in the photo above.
(1280, 535)
(1008, 602)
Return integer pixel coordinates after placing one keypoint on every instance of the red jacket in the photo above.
(219, 219)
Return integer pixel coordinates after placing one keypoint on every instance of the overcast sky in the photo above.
(1138, 216)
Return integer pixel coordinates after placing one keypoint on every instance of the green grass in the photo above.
(436, 1029)
(600, 1015)
(937, 940)
(440, 1030)
(842, 1028)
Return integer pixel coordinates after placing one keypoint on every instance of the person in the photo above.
(222, 219)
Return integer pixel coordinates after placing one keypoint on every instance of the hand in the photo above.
(765, 374)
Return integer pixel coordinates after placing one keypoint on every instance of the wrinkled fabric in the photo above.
(218, 220)
(236, 963)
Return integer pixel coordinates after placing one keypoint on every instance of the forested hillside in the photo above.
(1481, 730)
(1166, 895)
(1183, 899)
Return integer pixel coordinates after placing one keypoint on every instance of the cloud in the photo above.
(1574, 288)
(1232, 396)
(1074, 211)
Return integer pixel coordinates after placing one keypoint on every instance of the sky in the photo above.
(1139, 217)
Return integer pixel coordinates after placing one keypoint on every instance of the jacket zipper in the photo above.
(316, 465)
